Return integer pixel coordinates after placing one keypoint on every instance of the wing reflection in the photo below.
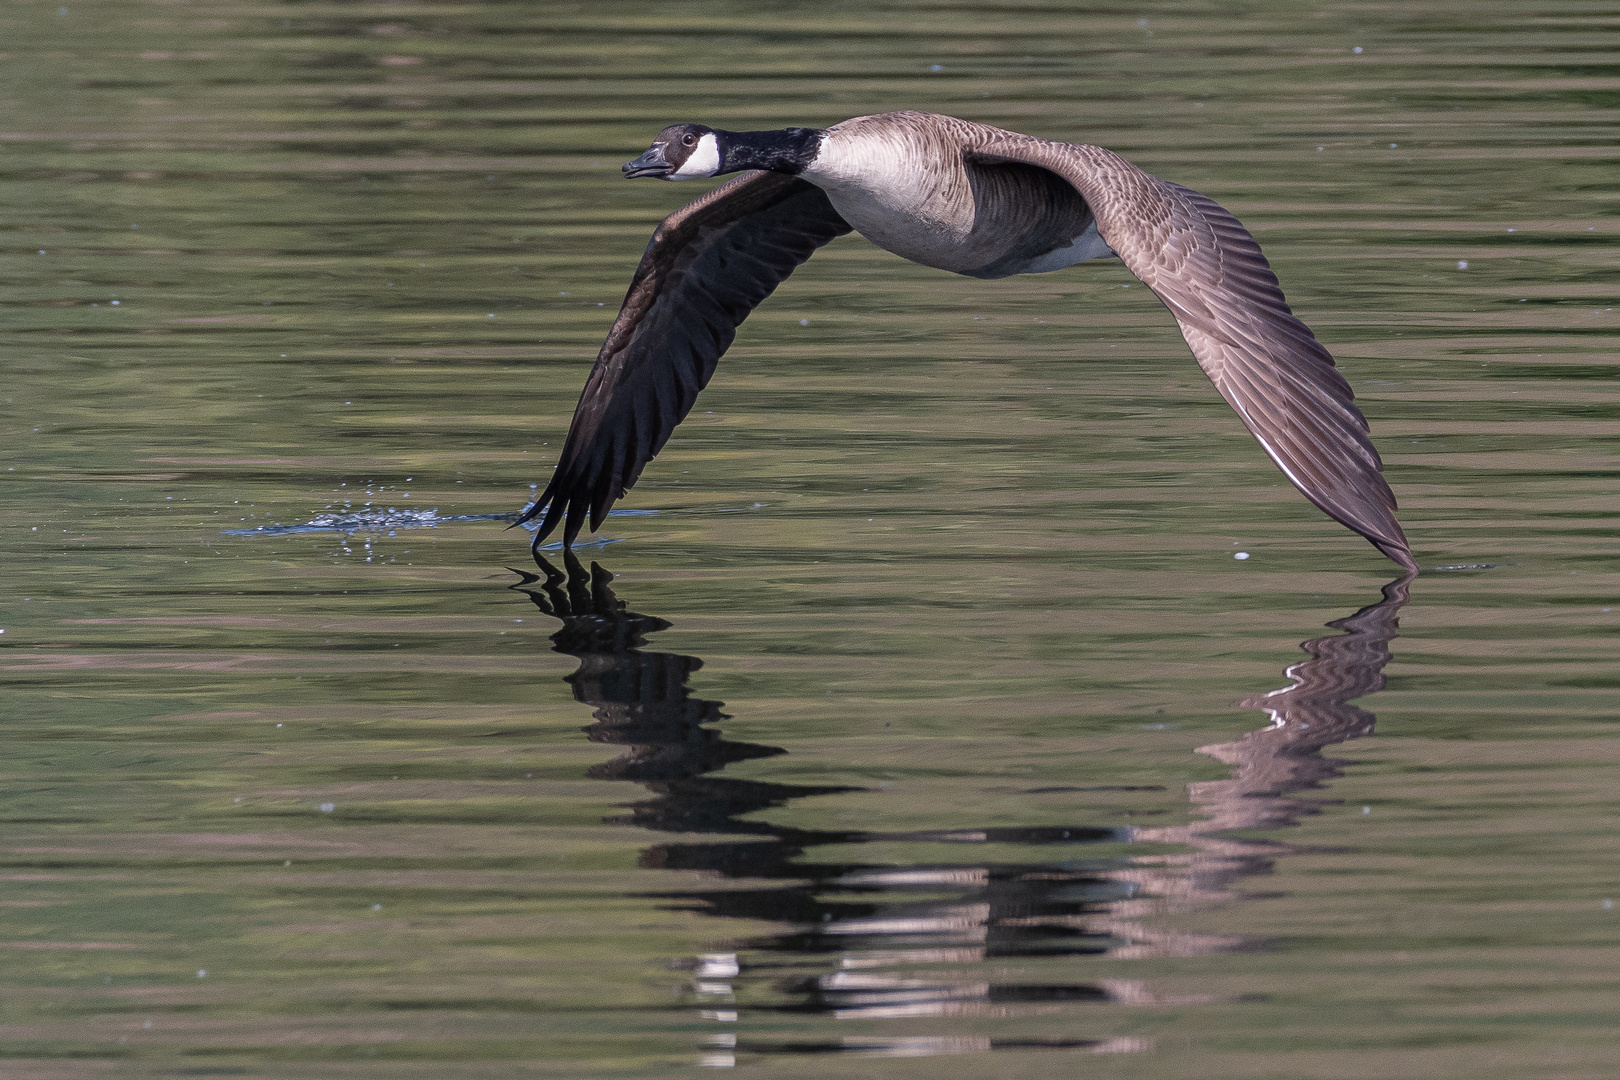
(859, 933)
(1268, 764)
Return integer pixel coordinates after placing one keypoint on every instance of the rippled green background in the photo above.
(962, 549)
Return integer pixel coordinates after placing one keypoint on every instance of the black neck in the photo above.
(788, 150)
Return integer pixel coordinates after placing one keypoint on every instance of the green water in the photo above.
(915, 722)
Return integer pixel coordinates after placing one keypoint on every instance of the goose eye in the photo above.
(689, 139)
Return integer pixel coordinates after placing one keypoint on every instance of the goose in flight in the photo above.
(974, 200)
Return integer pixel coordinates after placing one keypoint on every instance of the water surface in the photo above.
(921, 710)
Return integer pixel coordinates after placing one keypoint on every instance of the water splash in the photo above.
(353, 521)
(393, 519)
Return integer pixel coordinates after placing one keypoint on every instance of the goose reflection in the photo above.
(858, 932)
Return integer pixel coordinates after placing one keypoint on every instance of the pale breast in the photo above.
(898, 192)
(910, 190)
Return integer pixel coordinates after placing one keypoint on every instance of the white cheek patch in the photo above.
(705, 161)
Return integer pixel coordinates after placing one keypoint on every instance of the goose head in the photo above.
(680, 152)
(693, 151)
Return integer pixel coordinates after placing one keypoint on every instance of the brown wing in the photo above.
(709, 264)
(1209, 272)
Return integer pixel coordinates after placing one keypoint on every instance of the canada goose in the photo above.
(974, 200)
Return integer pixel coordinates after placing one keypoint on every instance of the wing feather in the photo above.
(707, 267)
(1210, 273)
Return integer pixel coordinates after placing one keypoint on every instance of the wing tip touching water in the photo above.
(1399, 554)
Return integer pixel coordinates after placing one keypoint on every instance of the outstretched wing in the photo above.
(709, 264)
(1208, 270)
